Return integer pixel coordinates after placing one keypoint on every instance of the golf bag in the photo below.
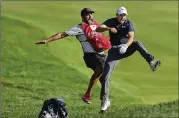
(53, 108)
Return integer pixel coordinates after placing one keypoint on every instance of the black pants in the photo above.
(113, 58)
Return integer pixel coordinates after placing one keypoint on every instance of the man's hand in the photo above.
(41, 42)
(122, 48)
(113, 30)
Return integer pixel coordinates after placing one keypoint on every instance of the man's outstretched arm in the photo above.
(53, 38)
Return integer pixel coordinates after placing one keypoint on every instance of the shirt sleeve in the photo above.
(131, 27)
(75, 30)
(108, 22)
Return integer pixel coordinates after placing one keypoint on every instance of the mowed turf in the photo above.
(32, 74)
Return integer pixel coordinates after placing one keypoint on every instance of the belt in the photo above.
(115, 46)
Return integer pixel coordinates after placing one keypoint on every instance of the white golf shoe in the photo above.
(105, 104)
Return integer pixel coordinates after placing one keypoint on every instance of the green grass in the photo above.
(32, 74)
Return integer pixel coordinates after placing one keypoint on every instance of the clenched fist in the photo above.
(113, 30)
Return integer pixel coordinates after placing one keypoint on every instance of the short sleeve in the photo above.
(131, 27)
(108, 22)
(75, 30)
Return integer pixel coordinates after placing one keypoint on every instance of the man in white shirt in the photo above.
(93, 59)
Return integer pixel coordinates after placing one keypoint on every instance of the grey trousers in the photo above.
(113, 58)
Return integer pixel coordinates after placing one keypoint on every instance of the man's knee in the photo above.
(107, 70)
(137, 43)
(98, 70)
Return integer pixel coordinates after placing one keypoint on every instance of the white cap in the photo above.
(121, 10)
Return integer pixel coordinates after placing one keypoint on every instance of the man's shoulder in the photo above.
(76, 27)
(111, 19)
(130, 25)
(75, 30)
(128, 21)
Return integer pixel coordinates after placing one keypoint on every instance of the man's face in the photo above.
(121, 18)
(88, 17)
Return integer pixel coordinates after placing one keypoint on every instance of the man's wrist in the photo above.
(46, 41)
(108, 28)
(127, 45)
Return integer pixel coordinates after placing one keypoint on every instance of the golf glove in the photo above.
(122, 48)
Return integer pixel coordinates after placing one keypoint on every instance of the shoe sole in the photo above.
(157, 65)
(102, 111)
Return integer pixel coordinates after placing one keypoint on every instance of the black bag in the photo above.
(53, 108)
